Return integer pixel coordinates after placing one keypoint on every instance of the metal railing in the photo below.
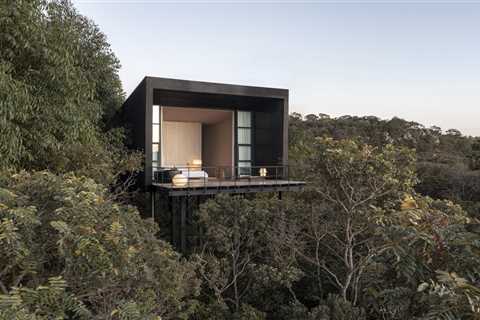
(225, 176)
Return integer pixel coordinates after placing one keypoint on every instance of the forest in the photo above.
(386, 228)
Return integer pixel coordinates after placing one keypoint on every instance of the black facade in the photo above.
(268, 106)
(173, 206)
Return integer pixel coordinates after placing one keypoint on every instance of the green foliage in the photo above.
(338, 166)
(361, 204)
(455, 182)
(59, 89)
(350, 183)
(358, 243)
(108, 257)
(431, 143)
(422, 237)
(451, 297)
(364, 241)
(333, 308)
(448, 162)
(245, 268)
(436, 234)
(44, 302)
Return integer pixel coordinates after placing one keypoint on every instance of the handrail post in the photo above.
(288, 175)
(205, 172)
(219, 177)
(252, 170)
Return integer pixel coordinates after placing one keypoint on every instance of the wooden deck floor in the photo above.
(213, 186)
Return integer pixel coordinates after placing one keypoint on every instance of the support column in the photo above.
(152, 196)
(173, 213)
(183, 224)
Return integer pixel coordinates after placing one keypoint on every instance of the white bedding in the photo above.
(192, 174)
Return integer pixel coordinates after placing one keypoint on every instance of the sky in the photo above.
(417, 60)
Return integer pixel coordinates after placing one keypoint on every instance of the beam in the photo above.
(213, 191)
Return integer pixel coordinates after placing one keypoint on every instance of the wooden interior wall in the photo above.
(181, 142)
(217, 144)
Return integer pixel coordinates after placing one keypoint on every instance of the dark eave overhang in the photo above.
(214, 88)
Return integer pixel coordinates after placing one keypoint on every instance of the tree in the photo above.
(350, 183)
(447, 166)
(430, 269)
(109, 261)
(363, 233)
(244, 270)
(49, 301)
(59, 89)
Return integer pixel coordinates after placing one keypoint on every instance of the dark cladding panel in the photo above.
(279, 145)
(263, 136)
(214, 101)
(133, 117)
(268, 147)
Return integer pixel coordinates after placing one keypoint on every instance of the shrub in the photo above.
(110, 259)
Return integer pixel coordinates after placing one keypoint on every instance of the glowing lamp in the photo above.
(263, 172)
(179, 180)
(196, 163)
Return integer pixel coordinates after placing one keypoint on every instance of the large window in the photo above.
(155, 138)
(244, 142)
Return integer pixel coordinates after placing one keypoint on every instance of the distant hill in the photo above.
(448, 163)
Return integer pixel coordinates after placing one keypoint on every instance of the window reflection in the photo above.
(156, 114)
(244, 153)
(244, 119)
(244, 142)
(155, 152)
(156, 133)
(244, 136)
(155, 138)
(244, 168)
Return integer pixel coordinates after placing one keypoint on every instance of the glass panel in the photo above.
(244, 153)
(244, 119)
(156, 114)
(156, 133)
(155, 152)
(244, 168)
(244, 136)
(155, 167)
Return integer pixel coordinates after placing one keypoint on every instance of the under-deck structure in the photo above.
(214, 138)
(174, 206)
(214, 186)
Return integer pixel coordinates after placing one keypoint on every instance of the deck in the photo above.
(214, 186)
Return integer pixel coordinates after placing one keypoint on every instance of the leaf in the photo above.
(61, 227)
(422, 287)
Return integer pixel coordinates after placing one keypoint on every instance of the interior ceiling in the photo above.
(207, 116)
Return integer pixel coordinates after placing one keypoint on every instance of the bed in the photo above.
(194, 173)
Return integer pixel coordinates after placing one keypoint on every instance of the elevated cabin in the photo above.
(220, 138)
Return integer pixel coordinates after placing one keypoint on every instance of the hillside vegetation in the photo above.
(447, 166)
(387, 227)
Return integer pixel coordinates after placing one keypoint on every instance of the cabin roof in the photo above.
(214, 88)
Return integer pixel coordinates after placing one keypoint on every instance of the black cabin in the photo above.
(202, 138)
